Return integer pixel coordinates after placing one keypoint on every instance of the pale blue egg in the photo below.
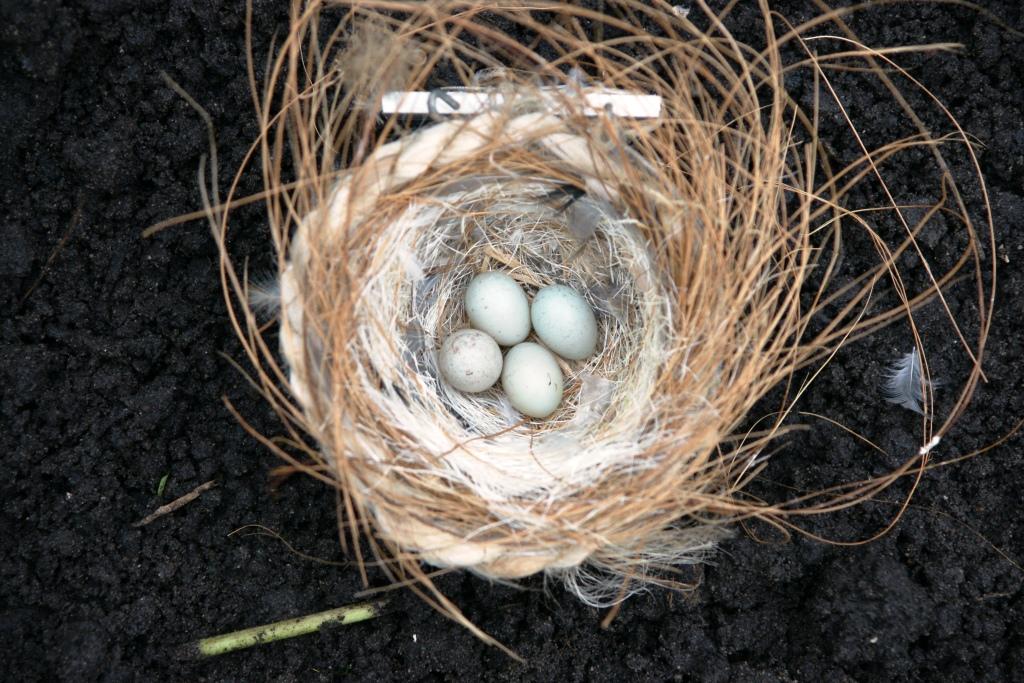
(470, 360)
(565, 322)
(532, 380)
(497, 305)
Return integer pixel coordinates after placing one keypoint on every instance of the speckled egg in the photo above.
(470, 361)
(565, 322)
(532, 380)
(497, 305)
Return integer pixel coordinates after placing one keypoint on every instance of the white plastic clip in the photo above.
(473, 101)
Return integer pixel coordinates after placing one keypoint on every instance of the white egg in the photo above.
(564, 321)
(532, 380)
(497, 305)
(470, 360)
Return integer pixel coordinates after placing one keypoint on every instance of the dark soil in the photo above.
(113, 376)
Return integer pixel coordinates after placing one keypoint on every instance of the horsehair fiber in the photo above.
(708, 241)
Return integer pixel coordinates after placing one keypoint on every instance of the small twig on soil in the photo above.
(75, 218)
(990, 596)
(280, 630)
(177, 503)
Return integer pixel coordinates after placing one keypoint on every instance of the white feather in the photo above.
(265, 296)
(904, 384)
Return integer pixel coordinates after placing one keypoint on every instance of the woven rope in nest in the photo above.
(706, 241)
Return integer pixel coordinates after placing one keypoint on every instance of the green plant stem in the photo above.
(279, 630)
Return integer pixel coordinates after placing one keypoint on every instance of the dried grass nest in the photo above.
(707, 240)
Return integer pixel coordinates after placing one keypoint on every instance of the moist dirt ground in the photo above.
(114, 370)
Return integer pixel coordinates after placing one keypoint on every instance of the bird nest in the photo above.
(706, 240)
(529, 194)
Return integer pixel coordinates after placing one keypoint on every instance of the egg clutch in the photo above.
(470, 359)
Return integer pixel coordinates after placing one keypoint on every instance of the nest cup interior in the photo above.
(530, 230)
